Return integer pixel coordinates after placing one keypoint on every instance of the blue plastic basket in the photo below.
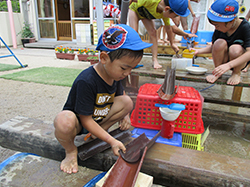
(203, 37)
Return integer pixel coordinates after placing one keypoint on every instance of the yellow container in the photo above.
(188, 54)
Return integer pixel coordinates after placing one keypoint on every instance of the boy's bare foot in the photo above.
(234, 79)
(166, 42)
(160, 41)
(157, 65)
(246, 68)
(69, 164)
(211, 78)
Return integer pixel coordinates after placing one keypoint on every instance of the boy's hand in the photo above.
(125, 123)
(116, 146)
(220, 70)
(175, 47)
(196, 51)
(190, 35)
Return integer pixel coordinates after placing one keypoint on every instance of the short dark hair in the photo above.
(167, 4)
(117, 54)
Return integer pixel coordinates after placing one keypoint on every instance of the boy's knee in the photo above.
(235, 51)
(219, 45)
(152, 32)
(128, 103)
(65, 121)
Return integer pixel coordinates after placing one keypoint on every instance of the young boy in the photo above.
(97, 100)
(146, 11)
(230, 43)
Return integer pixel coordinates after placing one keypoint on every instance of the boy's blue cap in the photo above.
(223, 10)
(121, 36)
(180, 7)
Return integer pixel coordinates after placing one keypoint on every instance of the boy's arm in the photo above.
(204, 50)
(180, 32)
(125, 123)
(248, 15)
(170, 37)
(95, 129)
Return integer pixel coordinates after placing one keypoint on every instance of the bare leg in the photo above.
(234, 52)
(149, 25)
(133, 19)
(66, 128)
(184, 23)
(220, 56)
(176, 21)
(159, 35)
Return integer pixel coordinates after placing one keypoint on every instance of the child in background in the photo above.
(148, 10)
(230, 43)
(97, 100)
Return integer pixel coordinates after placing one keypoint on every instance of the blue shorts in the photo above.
(83, 131)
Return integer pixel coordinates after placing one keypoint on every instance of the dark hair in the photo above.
(117, 54)
(210, 21)
(167, 4)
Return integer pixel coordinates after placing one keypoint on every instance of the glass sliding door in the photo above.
(46, 17)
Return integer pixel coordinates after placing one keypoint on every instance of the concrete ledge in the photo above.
(169, 165)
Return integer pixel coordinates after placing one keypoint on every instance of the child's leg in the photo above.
(133, 19)
(184, 23)
(220, 56)
(159, 34)
(121, 107)
(149, 25)
(66, 128)
(235, 51)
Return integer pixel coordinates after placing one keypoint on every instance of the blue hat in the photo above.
(180, 7)
(121, 36)
(223, 10)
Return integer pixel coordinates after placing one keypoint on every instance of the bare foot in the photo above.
(160, 41)
(69, 164)
(166, 42)
(246, 68)
(211, 78)
(157, 65)
(234, 79)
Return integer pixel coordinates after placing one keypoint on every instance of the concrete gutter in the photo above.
(169, 165)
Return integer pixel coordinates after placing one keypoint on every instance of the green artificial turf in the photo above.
(46, 75)
(7, 67)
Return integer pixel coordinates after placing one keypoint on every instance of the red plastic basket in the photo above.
(146, 115)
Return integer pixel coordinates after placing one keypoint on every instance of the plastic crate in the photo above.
(203, 37)
(146, 115)
(175, 141)
(192, 141)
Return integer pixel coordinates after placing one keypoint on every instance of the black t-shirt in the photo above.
(91, 95)
(241, 35)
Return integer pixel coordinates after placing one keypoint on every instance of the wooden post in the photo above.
(237, 93)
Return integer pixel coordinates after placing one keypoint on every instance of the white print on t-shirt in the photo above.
(103, 112)
(104, 99)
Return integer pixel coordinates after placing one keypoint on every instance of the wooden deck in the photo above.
(148, 71)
